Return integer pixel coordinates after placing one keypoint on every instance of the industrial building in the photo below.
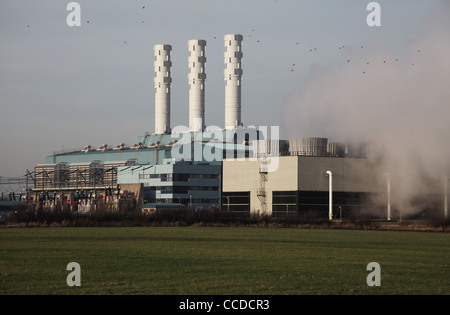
(236, 168)
(195, 185)
(169, 165)
(303, 179)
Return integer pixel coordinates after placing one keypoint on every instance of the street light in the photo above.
(330, 189)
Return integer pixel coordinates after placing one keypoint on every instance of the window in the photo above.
(203, 188)
(166, 177)
(284, 197)
(166, 189)
(284, 202)
(180, 189)
(148, 176)
(180, 177)
(204, 176)
(237, 202)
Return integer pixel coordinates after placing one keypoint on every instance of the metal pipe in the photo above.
(330, 189)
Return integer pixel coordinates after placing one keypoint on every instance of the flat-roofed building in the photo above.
(298, 184)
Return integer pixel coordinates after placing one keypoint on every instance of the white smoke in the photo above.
(398, 104)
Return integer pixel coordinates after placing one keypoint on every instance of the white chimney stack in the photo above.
(233, 76)
(197, 78)
(162, 82)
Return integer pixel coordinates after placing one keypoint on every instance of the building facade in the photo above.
(195, 185)
(299, 184)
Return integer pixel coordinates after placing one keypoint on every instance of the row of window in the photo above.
(186, 201)
(181, 189)
(178, 177)
(285, 202)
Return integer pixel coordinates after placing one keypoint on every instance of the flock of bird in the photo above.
(311, 50)
(315, 49)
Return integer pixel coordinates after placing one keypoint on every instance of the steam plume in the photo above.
(399, 105)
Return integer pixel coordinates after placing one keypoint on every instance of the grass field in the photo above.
(196, 260)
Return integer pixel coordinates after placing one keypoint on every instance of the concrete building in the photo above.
(298, 184)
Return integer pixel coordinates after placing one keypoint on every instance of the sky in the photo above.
(65, 87)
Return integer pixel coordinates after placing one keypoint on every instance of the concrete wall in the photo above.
(298, 173)
(349, 174)
(245, 175)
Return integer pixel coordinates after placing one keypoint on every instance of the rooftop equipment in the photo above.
(308, 146)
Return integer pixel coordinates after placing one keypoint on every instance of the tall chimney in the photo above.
(197, 78)
(232, 76)
(163, 82)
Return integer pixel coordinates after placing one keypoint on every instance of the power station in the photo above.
(238, 169)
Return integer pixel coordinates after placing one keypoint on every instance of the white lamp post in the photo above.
(330, 208)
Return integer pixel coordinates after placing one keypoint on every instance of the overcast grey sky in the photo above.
(66, 87)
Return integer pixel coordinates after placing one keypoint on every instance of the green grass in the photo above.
(244, 261)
